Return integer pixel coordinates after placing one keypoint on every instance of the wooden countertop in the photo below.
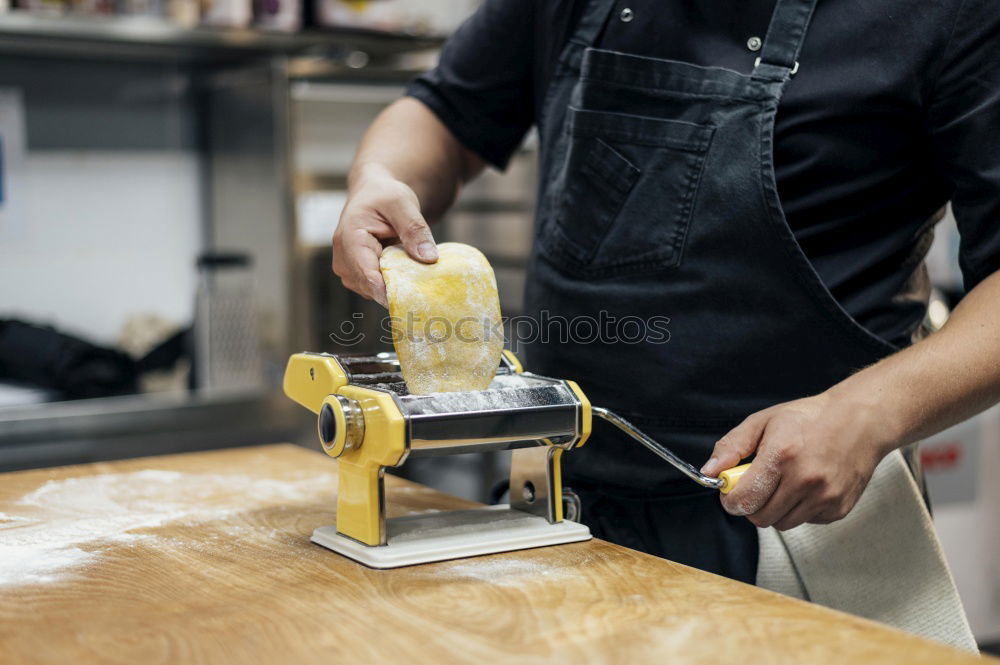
(205, 558)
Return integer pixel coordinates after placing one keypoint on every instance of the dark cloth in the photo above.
(657, 196)
(895, 110)
(687, 528)
(44, 357)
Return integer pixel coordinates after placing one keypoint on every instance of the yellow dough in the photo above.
(445, 318)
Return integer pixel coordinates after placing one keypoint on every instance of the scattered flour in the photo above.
(26, 564)
(506, 391)
(446, 320)
(501, 570)
(754, 496)
(64, 524)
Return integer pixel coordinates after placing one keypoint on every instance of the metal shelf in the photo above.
(149, 38)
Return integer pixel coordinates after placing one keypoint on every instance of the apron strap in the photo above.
(588, 27)
(785, 34)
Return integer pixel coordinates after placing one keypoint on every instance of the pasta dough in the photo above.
(445, 318)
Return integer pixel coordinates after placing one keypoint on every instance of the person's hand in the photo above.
(814, 458)
(379, 210)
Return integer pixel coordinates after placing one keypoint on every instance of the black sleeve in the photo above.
(482, 87)
(964, 122)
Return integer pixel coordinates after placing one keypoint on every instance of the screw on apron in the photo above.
(656, 174)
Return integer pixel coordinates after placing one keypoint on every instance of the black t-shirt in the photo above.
(895, 110)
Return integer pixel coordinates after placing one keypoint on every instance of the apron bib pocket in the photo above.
(588, 230)
(599, 181)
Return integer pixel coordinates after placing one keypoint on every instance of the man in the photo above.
(764, 174)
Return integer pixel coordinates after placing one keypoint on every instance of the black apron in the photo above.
(658, 199)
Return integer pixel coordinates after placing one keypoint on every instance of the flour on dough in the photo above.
(445, 318)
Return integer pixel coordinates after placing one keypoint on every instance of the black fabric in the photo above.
(632, 149)
(689, 528)
(165, 355)
(44, 357)
(895, 110)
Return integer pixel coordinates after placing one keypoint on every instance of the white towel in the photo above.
(882, 562)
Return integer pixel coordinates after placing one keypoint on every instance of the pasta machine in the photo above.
(368, 421)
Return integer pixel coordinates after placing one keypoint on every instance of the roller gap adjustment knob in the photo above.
(341, 425)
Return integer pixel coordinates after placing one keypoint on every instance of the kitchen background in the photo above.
(171, 172)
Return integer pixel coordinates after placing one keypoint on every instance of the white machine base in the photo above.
(453, 535)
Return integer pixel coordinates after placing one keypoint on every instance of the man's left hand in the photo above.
(814, 457)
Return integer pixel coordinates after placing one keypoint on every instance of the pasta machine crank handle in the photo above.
(724, 483)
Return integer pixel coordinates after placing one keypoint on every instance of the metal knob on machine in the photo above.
(341, 425)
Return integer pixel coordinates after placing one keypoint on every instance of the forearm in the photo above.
(938, 382)
(410, 144)
(814, 456)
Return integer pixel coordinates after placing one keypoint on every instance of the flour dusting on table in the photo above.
(64, 524)
(501, 570)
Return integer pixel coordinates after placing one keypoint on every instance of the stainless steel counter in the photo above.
(139, 425)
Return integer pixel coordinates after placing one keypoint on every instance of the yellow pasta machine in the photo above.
(368, 421)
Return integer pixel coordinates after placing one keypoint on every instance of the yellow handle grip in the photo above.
(730, 477)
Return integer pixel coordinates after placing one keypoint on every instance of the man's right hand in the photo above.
(380, 210)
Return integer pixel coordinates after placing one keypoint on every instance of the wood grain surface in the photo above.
(205, 558)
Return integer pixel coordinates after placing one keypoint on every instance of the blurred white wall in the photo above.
(105, 235)
(102, 216)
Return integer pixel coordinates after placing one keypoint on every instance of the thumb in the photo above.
(404, 216)
(739, 443)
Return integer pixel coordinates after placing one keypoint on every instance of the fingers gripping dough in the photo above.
(445, 318)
